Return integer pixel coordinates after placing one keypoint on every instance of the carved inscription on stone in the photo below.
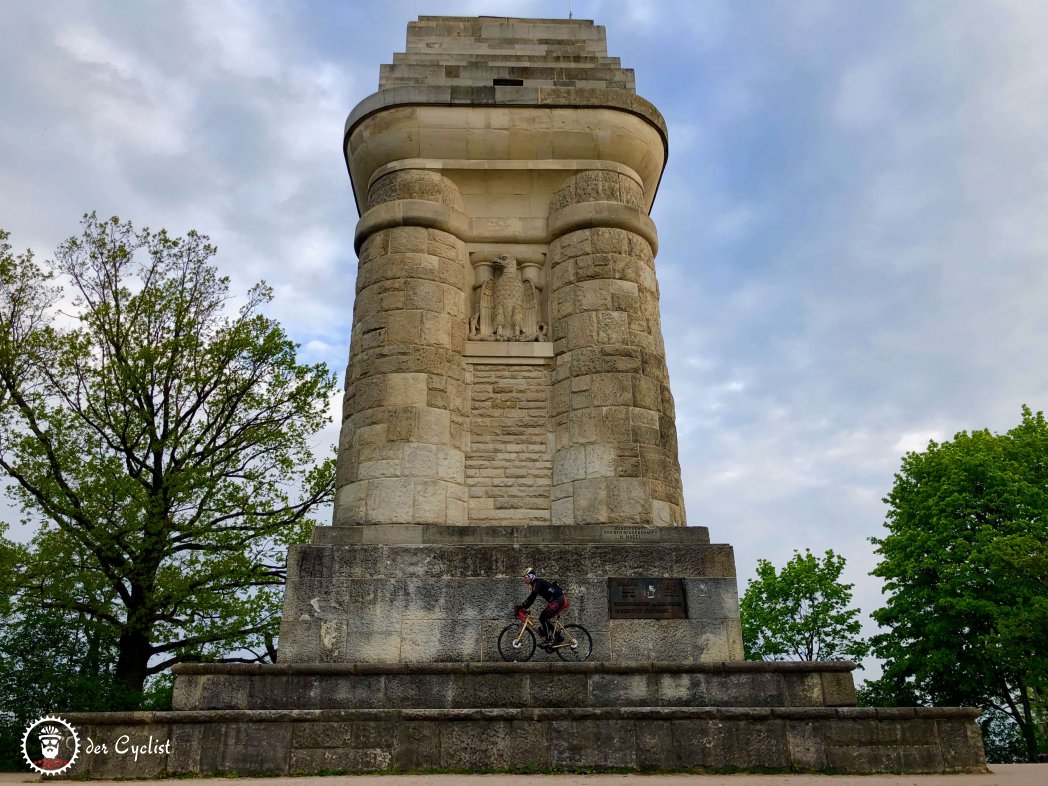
(629, 534)
(508, 304)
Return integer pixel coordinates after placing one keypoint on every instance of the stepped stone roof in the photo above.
(484, 51)
(513, 63)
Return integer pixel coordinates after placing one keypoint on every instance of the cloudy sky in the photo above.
(853, 233)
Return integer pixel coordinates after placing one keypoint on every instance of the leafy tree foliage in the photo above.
(160, 440)
(1002, 738)
(55, 661)
(965, 565)
(801, 613)
(51, 661)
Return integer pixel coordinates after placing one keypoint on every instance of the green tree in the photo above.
(801, 613)
(965, 564)
(50, 661)
(1002, 738)
(160, 440)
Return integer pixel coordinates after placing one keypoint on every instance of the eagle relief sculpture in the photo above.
(508, 307)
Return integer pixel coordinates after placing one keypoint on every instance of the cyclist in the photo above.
(550, 592)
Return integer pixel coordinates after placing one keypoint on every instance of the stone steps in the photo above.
(536, 684)
(473, 81)
(461, 52)
(512, 58)
(840, 740)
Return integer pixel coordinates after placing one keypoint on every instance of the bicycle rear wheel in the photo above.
(579, 644)
(516, 648)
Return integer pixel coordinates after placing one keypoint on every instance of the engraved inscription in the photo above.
(648, 598)
(629, 533)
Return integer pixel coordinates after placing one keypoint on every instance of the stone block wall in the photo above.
(509, 462)
(401, 456)
(461, 51)
(515, 138)
(535, 684)
(493, 141)
(821, 739)
(424, 603)
(611, 405)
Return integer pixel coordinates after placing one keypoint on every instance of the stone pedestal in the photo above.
(424, 593)
(543, 683)
(647, 739)
(479, 717)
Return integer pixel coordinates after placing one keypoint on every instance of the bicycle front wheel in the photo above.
(514, 647)
(578, 644)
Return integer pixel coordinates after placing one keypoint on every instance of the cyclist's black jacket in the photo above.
(549, 590)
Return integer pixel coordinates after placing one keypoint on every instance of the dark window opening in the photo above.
(508, 82)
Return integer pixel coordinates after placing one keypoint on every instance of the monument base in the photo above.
(275, 742)
(417, 593)
(300, 719)
(534, 685)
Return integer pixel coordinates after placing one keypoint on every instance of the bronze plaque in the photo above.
(647, 599)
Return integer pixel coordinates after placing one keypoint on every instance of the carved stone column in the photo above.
(400, 454)
(616, 442)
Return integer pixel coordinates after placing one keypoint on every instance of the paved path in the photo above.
(999, 775)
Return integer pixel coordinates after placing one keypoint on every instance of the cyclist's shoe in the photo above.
(559, 638)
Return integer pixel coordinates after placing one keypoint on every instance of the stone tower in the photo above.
(507, 401)
(507, 405)
(520, 139)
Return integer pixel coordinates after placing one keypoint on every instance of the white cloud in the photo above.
(915, 441)
(866, 95)
(120, 98)
(239, 37)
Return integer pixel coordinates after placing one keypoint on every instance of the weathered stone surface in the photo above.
(509, 464)
(683, 689)
(548, 683)
(960, 743)
(417, 744)
(187, 744)
(250, 747)
(804, 691)
(838, 690)
(400, 451)
(709, 738)
(624, 690)
(763, 690)
(404, 602)
(216, 693)
(528, 182)
(475, 745)
(617, 402)
(718, 560)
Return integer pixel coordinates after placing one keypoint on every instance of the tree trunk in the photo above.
(1029, 728)
(131, 665)
(89, 664)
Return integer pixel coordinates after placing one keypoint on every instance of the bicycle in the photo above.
(516, 642)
